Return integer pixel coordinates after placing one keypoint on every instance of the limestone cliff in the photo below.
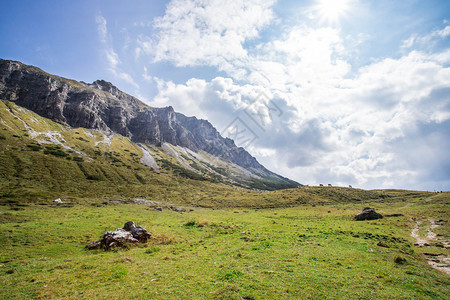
(100, 105)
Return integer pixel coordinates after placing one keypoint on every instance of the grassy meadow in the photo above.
(307, 251)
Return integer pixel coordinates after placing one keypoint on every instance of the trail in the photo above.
(438, 261)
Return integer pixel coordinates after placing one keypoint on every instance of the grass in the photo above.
(232, 242)
(294, 253)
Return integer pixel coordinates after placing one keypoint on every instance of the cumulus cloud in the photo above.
(218, 99)
(339, 128)
(200, 32)
(313, 116)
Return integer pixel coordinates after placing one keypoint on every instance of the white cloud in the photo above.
(146, 76)
(384, 103)
(426, 41)
(101, 28)
(341, 128)
(124, 77)
(200, 98)
(339, 125)
(112, 57)
(110, 54)
(200, 32)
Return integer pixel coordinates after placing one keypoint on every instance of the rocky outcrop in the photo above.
(117, 238)
(124, 237)
(368, 214)
(100, 105)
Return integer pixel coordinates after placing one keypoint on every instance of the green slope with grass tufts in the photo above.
(230, 243)
(302, 252)
(42, 159)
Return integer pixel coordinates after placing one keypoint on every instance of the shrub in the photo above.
(55, 151)
(34, 147)
(94, 177)
(400, 260)
(82, 139)
(190, 223)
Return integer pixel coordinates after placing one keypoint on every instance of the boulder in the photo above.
(138, 232)
(141, 234)
(129, 226)
(124, 237)
(59, 201)
(179, 209)
(368, 214)
(117, 238)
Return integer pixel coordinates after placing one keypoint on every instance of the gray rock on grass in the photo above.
(117, 238)
(140, 234)
(124, 237)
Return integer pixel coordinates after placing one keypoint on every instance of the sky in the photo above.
(342, 92)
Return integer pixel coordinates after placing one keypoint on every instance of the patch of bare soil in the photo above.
(438, 261)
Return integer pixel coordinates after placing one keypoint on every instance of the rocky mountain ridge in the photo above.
(102, 106)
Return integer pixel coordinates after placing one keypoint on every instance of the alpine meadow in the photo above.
(193, 149)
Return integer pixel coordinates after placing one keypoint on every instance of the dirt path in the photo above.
(420, 242)
(438, 261)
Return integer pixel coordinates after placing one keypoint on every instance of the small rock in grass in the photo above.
(59, 201)
(368, 214)
(178, 209)
(94, 245)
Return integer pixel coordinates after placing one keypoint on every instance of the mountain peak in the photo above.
(68, 101)
(104, 86)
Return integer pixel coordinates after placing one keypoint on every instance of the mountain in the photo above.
(194, 145)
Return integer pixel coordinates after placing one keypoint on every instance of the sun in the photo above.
(332, 10)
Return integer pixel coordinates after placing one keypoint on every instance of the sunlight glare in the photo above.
(332, 10)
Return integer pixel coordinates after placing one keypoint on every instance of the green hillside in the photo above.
(304, 252)
(42, 160)
(229, 242)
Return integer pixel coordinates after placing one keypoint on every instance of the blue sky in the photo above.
(342, 92)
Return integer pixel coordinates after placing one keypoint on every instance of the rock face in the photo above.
(368, 214)
(124, 237)
(100, 105)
